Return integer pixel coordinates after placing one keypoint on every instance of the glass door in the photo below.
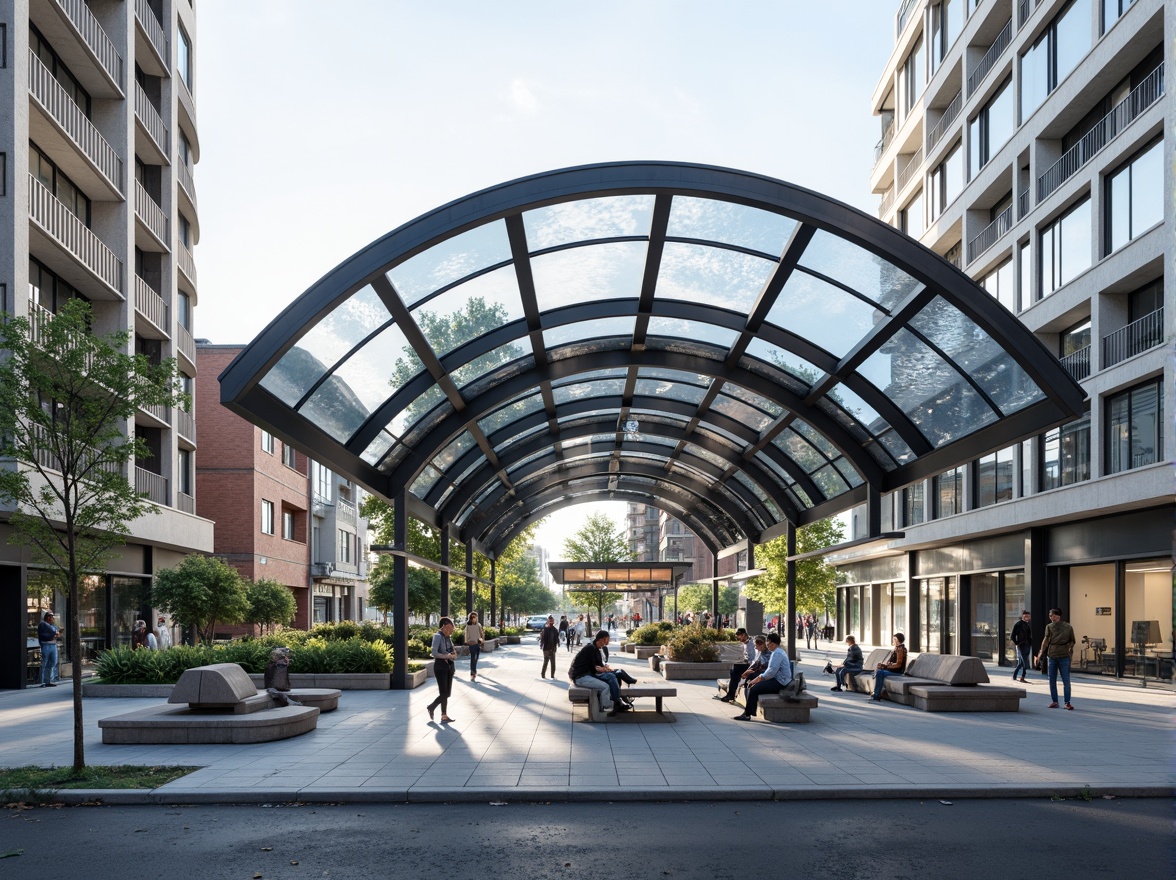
(1014, 604)
(986, 640)
(931, 599)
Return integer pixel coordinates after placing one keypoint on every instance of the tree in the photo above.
(816, 580)
(202, 591)
(269, 602)
(68, 399)
(598, 540)
(697, 597)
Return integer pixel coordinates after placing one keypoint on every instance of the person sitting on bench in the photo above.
(738, 669)
(851, 665)
(588, 670)
(772, 680)
(895, 664)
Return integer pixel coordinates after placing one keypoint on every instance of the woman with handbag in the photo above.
(474, 637)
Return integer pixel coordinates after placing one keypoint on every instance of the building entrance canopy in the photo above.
(738, 351)
(618, 577)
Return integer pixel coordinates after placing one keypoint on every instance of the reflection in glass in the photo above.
(741, 412)
(382, 442)
(521, 406)
(424, 481)
(578, 331)
(752, 399)
(365, 374)
(680, 329)
(822, 313)
(470, 310)
(783, 359)
(450, 260)
(669, 389)
(870, 275)
(584, 390)
(588, 220)
(712, 276)
(451, 453)
(589, 274)
(490, 361)
(729, 223)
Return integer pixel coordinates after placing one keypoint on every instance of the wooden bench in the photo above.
(582, 696)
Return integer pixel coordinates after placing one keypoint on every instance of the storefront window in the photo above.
(931, 598)
(867, 635)
(1147, 618)
(1092, 614)
(131, 602)
(986, 639)
(1014, 604)
(91, 611)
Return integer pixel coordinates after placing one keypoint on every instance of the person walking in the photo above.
(444, 655)
(1022, 639)
(47, 636)
(139, 635)
(1058, 649)
(474, 637)
(548, 643)
(565, 632)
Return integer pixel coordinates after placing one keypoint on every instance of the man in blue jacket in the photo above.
(771, 681)
(47, 635)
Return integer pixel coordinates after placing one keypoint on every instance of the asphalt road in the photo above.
(983, 839)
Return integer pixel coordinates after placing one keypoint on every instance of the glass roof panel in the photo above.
(855, 267)
(526, 460)
(730, 223)
(822, 313)
(470, 310)
(674, 376)
(324, 344)
(848, 471)
(750, 397)
(680, 391)
(453, 451)
(413, 413)
(830, 482)
(578, 331)
(501, 448)
(772, 466)
(371, 373)
(490, 361)
(927, 388)
(799, 450)
(815, 437)
(741, 412)
(334, 408)
(977, 354)
(864, 415)
(450, 260)
(680, 329)
(521, 406)
(713, 276)
(592, 376)
(376, 449)
(424, 481)
(588, 274)
(706, 455)
(584, 390)
(588, 220)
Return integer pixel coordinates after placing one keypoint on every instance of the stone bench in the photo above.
(586, 697)
(963, 680)
(995, 698)
(780, 710)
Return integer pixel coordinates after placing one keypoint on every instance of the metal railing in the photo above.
(953, 255)
(72, 234)
(345, 512)
(38, 317)
(950, 114)
(94, 37)
(47, 91)
(883, 142)
(185, 344)
(1077, 363)
(150, 304)
(185, 503)
(42, 448)
(152, 485)
(990, 57)
(185, 99)
(1025, 9)
(184, 175)
(1150, 90)
(1137, 337)
(184, 260)
(154, 31)
(185, 425)
(157, 410)
(990, 233)
(904, 13)
(149, 212)
(320, 505)
(887, 202)
(913, 164)
(1022, 204)
(146, 113)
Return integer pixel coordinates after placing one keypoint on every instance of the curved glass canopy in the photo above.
(736, 350)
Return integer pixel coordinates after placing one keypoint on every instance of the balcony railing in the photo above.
(185, 100)
(953, 255)
(1105, 130)
(48, 92)
(43, 451)
(988, 236)
(71, 233)
(186, 502)
(913, 164)
(152, 485)
(157, 410)
(146, 113)
(1077, 363)
(185, 343)
(1022, 204)
(976, 77)
(345, 512)
(94, 37)
(154, 31)
(184, 174)
(1135, 338)
(886, 203)
(151, 214)
(904, 13)
(185, 425)
(186, 263)
(1025, 9)
(150, 304)
(887, 137)
(950, 114)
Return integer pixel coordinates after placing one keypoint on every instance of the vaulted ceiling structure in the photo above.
(733, 349)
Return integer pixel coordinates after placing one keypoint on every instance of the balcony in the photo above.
(151, 306)
(950, 114)
(38, 316)
(68, 117)
(904, 14)
(71, 234)
(1136, 338)
(908, 170)
(989, 235)
(79, 15)
(1104, 131)
(1077, 363)
(153, 30)
(880, 147)
(1025, 9)
(185, 425)
(185, 345)
(345, 512)
(153, 486)
(887, 202)
(184, 175)
(186, 263)
(149, 118)
(43, 451)
(157, 411)
(976, 77)
(151, 215)
(186, 503)
(1022, 204)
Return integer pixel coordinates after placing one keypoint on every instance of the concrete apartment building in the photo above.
(278, 515)
(98, 140)
(1025, 141)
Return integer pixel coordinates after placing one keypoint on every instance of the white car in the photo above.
(537, 621)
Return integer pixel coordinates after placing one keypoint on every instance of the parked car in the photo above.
(537, 621)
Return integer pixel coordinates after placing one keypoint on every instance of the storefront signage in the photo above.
(1102, 611)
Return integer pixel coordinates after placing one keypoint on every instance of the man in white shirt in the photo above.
(771, 681)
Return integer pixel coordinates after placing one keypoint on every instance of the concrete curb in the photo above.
(568, 794)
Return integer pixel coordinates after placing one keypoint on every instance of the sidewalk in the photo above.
(514, 740)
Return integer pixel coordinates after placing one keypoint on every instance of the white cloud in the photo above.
(523, 98)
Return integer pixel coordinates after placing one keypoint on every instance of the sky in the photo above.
(321, 133)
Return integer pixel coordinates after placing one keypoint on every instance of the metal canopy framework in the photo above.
(618, 577)
(738, 351)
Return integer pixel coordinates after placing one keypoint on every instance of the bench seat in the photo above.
(963, 698)
(779, 710)
(586, 697)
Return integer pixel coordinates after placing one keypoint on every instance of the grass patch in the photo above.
(116, 776)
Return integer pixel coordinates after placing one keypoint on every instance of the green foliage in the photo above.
(816, 580)
(697, 597)
(202, 591)
(652, 633)
(692, 644)
(269, 603)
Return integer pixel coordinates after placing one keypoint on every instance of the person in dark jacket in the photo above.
(548, 644)
(47, 636)
(1022, 639)
(895, 664)
(851, 665)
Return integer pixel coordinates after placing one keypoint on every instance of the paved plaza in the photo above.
(514, 739)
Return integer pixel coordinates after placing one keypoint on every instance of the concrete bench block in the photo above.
(324, 699)
(676, 670)
(644, 652)
(219, 685)
(977, 698)
(180, 725)
(775, 708)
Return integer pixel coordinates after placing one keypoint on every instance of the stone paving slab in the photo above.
(515, 740)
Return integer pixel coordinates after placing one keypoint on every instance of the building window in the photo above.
(1025, 277)
(947, 20)
(47, 290)
(913, 77)
(990, 129)
(1134, 435)
(184, 311)
(1112, 10)
(184, 231)
(322, 483)
(947, 181)
(50, 176)
(267, 442)
(288, 525)
(1135, 197)
(912, 504)
(344, 547)
(994, 478)
(1065, 248)
(910, 218)
(1065, 455)
(267, 517)
(999, 283)
(289, 456)
(1057, 51)
(184, 471)
(1075, 339)
(185, 150)
(948, 493)
(69, 84)
(184, 58)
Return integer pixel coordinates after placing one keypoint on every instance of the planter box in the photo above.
(418, 678)
(489, 645)
(357, 681)
(127, 690)
(512, 640)
(676, 670)
(628, 647)
(429, 668)
(644, 652)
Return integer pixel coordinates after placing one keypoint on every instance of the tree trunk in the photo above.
(75, 640)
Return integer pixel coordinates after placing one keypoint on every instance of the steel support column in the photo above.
(790, 569)
(494, 590)
(444, 572)
(400, 592)
(469, 567)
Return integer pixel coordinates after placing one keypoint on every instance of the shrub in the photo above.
(651, 633)
(692, 645)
